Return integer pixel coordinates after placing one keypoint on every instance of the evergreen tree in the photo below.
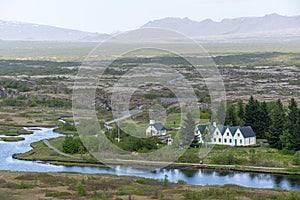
(286, 140)
(293, 124)
(231, 118)
(252, 116)
(221, 113)
(187, 132)
(264, 120)
(277, 126)
(241, 113)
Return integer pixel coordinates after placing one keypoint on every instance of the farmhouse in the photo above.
(156, 129)
(226, 135)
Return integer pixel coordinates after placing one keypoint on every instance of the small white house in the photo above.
(226, 135)
(156, 129)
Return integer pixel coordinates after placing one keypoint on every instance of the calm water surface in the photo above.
(194, 177)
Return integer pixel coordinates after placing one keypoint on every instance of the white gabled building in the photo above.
(156, 129)
(226, 135)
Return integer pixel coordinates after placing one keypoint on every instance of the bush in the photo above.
(181, 182)
(296, 159)
(73, 145)
(226, 159)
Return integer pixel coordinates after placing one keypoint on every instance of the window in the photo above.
(225, 140)
(215, 139)
(241, 141)
(230, 140)
(217, 133)
(238, 134)
(227, 134)
(220, 140)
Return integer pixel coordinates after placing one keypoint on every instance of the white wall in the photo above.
(151, 131)
(239, 137)
(227, 137)
(217, 139)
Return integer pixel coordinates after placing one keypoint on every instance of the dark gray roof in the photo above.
(203, 126)
(247, 132)
(233, 129)
(223, 129)
(159, 126)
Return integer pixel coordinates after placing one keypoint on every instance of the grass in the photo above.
(240, 159)
(12, 139)
(26, 185)
(41, 152)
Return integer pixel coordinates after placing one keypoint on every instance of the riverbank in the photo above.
(51, 157)
(11, 139)
(42, 152)
(27, 185)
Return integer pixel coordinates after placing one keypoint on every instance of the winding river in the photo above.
(194, 177)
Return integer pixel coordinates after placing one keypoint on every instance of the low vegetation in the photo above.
(12, 139)
(17, 185)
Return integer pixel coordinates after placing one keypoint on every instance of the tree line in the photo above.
(272, 121)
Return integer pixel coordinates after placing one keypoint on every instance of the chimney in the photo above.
(214, 124)
(152, 121)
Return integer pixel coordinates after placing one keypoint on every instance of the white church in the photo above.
(226, 135)
(156, 129)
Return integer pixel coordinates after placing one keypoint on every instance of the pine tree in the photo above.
(264, 120)
(221, 113)
(293, 124)
(231, 118)
(277, 126)
(241, 113)
(252, 116)
(187, 131)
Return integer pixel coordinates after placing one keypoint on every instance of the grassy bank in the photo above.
(21, 185)
(190, 160)
(12, 139)
(41, 152)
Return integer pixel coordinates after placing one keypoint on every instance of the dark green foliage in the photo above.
(257, 116)
(35, 67)
(231, 118)
(187, 131)
(293, 124)
(80, 188)
(67, 127)
(286, 140)
(296, 159)
(252, 116)
(139, 144)
(131, 143)
(20, 86)
(278, 125)
(57, 194)
(35, 102)
(72, 145)
(264, 120)
(10, 102)
(241, 113)
(221, 113)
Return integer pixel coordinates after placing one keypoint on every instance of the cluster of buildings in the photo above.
(223, 135)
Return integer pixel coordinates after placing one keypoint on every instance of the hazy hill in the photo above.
(268, 24)
(34, 32)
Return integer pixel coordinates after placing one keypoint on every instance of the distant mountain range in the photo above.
(268, 25)
(35, 32)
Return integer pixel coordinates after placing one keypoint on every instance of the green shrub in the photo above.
(296, 159)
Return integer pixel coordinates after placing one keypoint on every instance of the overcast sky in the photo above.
(108, 16)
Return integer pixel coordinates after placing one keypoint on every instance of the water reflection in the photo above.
(195, 177)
